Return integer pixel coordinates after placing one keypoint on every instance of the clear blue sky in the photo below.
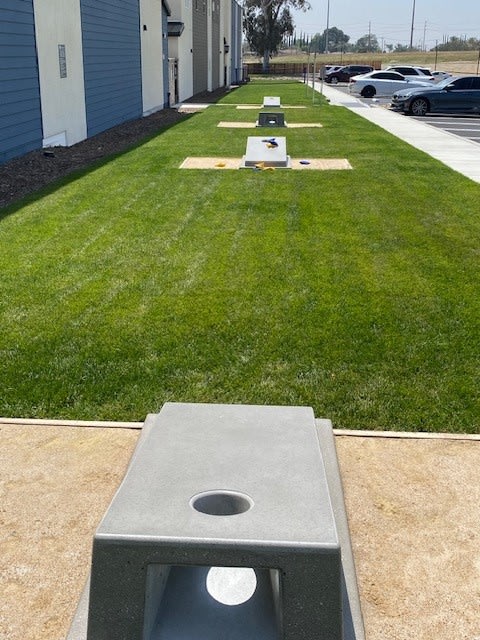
(391, 20)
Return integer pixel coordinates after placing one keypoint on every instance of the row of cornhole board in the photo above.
(266, 153)
(266, 119)
(270, 152)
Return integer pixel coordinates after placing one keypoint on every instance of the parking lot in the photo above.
(462, 126)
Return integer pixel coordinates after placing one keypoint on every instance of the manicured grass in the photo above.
(355, 292)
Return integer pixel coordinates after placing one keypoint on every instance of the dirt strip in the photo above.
(316, 164)
(413, 507)
(252, 125)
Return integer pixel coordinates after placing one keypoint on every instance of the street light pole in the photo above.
(327, 29)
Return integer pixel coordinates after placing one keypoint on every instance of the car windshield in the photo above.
(444, 83)
(434, 87)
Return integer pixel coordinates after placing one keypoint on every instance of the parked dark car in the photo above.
(328, 68)
(452, 95)
(345, 73)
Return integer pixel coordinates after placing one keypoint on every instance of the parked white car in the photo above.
(383, 83)
(409, 71)
(441, 75)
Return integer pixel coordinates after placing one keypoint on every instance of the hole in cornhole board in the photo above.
(221, 503)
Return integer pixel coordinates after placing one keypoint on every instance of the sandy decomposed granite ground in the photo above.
(414, 510)
(413, 506)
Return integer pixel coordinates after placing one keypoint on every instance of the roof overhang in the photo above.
(175, 28)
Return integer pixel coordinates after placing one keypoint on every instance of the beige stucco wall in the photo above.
(152, 55)
(57, 22)
(225, 32)
(181, 48)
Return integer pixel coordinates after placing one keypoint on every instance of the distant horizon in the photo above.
(434, 22)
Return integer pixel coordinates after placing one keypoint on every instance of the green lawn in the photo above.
(355, 292)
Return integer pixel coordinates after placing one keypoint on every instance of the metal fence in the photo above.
(296, 68)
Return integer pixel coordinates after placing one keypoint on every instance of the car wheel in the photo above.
(368, 92)
(334, 80)
(419, 107)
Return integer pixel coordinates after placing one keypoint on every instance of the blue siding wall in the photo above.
(112, 62)
(236, 44)
(20, 112)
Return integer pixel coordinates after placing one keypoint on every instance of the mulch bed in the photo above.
(35, 170)
(38, 169)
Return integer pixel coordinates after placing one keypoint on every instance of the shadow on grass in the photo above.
(75, 173)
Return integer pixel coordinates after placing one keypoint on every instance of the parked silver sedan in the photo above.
(441, 75)
(383, 83)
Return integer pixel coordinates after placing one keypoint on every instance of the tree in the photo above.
(401, 48)
(367, 44)
(460, 44)
(337, 40)
(267, 22)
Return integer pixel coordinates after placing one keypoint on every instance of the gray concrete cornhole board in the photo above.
(258, 151)
(271, 101)
(271, 119)
(229, 486)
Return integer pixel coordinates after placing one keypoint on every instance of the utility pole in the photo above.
(413, 23)
(424, 34)
(327, 29)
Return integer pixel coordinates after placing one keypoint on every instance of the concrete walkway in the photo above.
(457, 153)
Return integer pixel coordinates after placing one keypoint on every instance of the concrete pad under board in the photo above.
(237, 125)
(315, 164)
(260, 106)
(304, 125)
(77, 466)
(211, 163)
(321, 164)
(192, 108)
(250, 125)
